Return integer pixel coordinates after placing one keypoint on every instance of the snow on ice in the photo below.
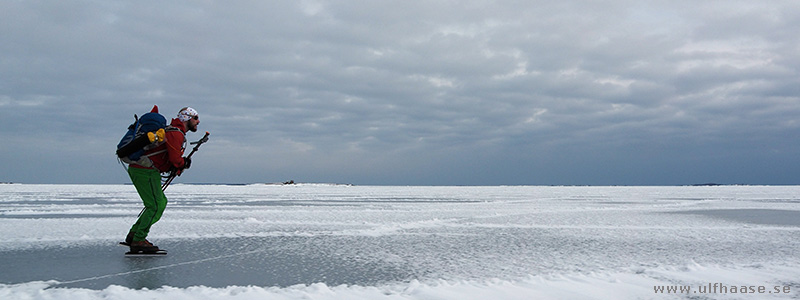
(318, 241)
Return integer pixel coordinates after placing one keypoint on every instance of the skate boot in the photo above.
(143, 247)
(128, 239)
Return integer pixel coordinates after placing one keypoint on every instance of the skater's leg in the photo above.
(148, 185)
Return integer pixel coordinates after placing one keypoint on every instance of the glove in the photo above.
(173, 171)
(187, 162)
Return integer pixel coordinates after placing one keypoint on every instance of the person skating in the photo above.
(147, 180)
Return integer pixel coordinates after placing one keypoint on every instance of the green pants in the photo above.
(148, 185)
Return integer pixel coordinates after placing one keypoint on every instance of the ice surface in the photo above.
(379, 242)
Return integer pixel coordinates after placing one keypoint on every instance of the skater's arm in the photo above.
(175, 142)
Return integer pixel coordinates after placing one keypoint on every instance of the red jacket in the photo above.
(174, 144)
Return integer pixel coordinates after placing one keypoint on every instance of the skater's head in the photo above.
(189, 117)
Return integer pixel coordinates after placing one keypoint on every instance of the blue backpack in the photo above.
(146, 133)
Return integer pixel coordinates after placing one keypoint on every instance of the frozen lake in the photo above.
(389, 242)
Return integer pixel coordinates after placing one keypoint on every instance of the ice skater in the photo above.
(147, 179)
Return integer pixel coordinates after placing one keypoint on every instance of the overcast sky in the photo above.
(409, 92)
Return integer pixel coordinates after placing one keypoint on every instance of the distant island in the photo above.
(292, 182)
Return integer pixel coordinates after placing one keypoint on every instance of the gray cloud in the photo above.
(389, 92)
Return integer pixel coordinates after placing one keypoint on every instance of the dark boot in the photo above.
(143, 246)
(129, 238)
